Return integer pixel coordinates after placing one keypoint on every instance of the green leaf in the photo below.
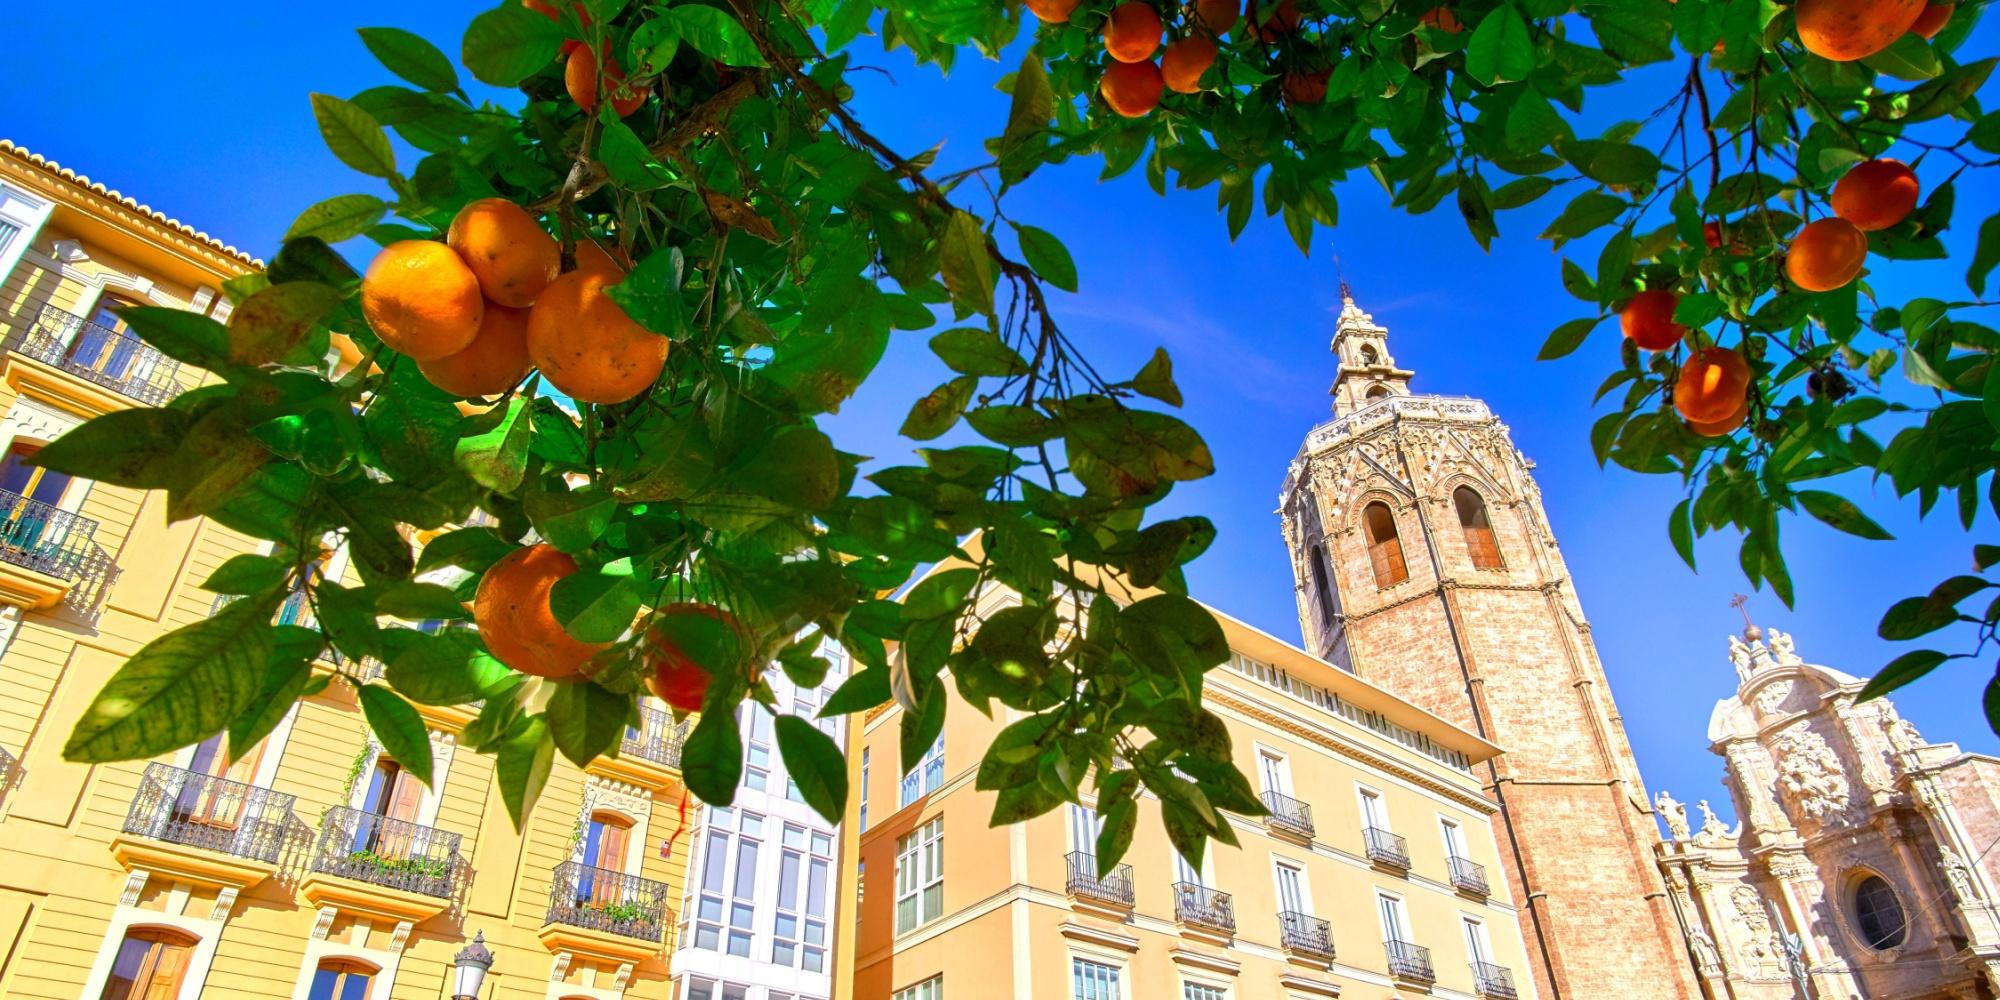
(716, 35)
(596, 606)
(134, 448)
(181, 688)
(587, 721)
(247, 574)
(815, 763)
(467, 548)
(1567, 338)
(1114, 838)
(1612, 162)
(450, 667)
(1156, 379)
(1047, 256)
(182, 335)
(712, 757)
(1013, 426)
(628, 161)
(570, 521)
(522, 765)
(277, 321)
(354, 136)
(1500, 49)
(1839, 512)
(651, 294)
(1907, 58)
(969, 271)
(412, 58)
(978, 352)
(939, 410)
(284, 680)
(417, 601)
(497, 458)
(341, 217)
(1990, 701)
(1033, 105)
(508, 44)
(1900, 671)
(1680, 530)
(1986, 256)
(399, 728)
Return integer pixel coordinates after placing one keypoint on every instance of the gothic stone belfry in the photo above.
(1425, 563)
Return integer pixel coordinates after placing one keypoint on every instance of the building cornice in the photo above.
(47, 177)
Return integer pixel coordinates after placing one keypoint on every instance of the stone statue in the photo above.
(1810, 774)
(1902, 733)
(1960, 876)
(1739, 654)
(1781, 647)
(1712, 830)
(1705, 956)
(1675, 813)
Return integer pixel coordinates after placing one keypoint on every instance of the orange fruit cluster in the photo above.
(1648, 319)
(511, 609)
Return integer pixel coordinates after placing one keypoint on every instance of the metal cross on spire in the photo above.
(1750, 630)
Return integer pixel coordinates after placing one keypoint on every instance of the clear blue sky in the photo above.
(205, 118)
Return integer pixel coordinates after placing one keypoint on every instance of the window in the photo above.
(927, 776)
(757, 733)
(151, 962)
(1373, 815)
(1385, 549)
(920, 876)
(1324, 598)
(864, 788)
(1454, 840)
(1477, 947)
(799, 932)
(1369, 356)
(8, 231)
(341, 979)
(1202, 991)
(1291, 889)
(1394, 927)
(709, 989)
(929, 989)
(1271, 767)
(1478, 530)
(1084, 826)
(726, 888)
(605, 837)
(1094, 980)
(1877, 914)
(1378, 392)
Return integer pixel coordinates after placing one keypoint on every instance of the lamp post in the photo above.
(471, 964)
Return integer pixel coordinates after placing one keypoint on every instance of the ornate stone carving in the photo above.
(225, 901)
(401, 937)
(1810, 774)
(1960, 876)
(1713, 833)
(1705, 957)
(559, 969)
(135, 885)
(1781, 647)
(1675, 814)
(324, 923)
(1771, 697)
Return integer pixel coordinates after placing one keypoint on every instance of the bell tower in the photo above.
(1424, 563)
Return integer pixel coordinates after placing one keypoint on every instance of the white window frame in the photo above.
(925, 778)
(1478, 944)
(1221, 990)
(929, 989)
(1363, 795)
(1452, 832)
(1280, 863)
(1388, 906)
(1274, 770)
(1120, 969)
(919, 868)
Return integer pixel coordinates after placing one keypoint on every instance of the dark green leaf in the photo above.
(341, 217)
(1900, 671)
(978, 352)
(399, 728)
(712, 758)
(354, 136)
(815, 763)
(1839, 512)
(1047, 256)
(508, 44)
(586, 721)
(1500, 49)
(247, 574)
(411, 57)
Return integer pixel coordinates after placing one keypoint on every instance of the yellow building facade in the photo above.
(1375, 875)
(311, 867)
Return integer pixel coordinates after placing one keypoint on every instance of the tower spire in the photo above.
(1366, 372)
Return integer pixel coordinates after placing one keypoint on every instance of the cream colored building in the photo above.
(1862, 865)
(311, 868)
(1375, 875)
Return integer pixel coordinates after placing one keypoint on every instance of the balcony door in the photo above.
(604, 843)
(150, 964)
(390, 808)
(1291, 890)
(1084, 826)
(29, 485)
(1276, 777)
(104, 344)
(215, 792)
(1475, 943)
(1394, 927)
(1454, 840)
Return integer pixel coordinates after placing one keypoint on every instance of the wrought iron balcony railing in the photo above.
(1493, 981)
(388, 852)
(1386, 848)
(656, 737)
(114, 359)
(200, 810)
(1288, 814)
(1306, 934)
(1410, 961)
(40, 537)
(599, 899)
(1114, 888)
(1200, 906)
(1468, 876)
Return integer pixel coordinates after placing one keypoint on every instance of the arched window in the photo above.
(1877, 914)
(1323, 595)
(151, 962)
(1378, 392)
(341, 979)
(1368, 355)
(1385, 548)
(1477, 529)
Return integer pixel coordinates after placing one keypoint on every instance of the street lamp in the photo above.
(472, 961)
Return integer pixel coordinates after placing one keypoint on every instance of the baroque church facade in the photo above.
(1861, 865)
(1424, 562)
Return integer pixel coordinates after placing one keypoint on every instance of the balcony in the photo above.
(650, 753)
(1386, 849)
(607, 903)
(1287, 816)
(1305, 935)
(1468, 877)
(235, 831)
(1203, 908)
(1410, 961)
(112, 359)
(388, 852)
(1492, 981)
(1114, 889)
(56, 547)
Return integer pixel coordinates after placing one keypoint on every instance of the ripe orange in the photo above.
(1443, 19)
(1846, 30)
(1185, 61)
(1218, 16)
(1283, 19)
(1648, 320)
(1052, 11)
(1713, 383)
(1726, 425)
(677, 679)
(1132, 33)
(1711, 234)
(1132, 89)
(512, 611)
(1306, 88)
(1826, 255)
(594, 258)
(580, 77)
(1876, 194)
(421, 299)
(586, 346)
(1933, 19)
(494, 362)
(510, 253)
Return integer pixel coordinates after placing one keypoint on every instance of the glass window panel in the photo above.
(746, 870)
(795, 836)
(788, 881)
(739, 944)
(815, 960)
(822, 844)
(816, 888)
(714, 861)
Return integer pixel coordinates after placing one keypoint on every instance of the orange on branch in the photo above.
(510, 253)
(595, 259)
(1876, 194)
(580, 78)
(1826, 254)
(1218, 16)
(1727, 425)
(1132, 89)
(512, 611)
(677, 678)
(421, 299)
(1283, 19)
(587, 347)
(1443, 19)
(1648, 319)
(1306, 88)
(495, 361)
(1052, 11)
(1713, 383)
(1132, 32)
(1933, 19)
(1184, 63)
(1846, 30)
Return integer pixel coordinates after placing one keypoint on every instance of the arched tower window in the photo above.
(1385, 547)
(1478, 530)
(1323, 598)
(1368, 355)
(1878, 914)
(1377, 392)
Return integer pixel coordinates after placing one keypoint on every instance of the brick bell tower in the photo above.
(1425, 563)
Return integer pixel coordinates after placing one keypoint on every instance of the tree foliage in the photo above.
(780, 246)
